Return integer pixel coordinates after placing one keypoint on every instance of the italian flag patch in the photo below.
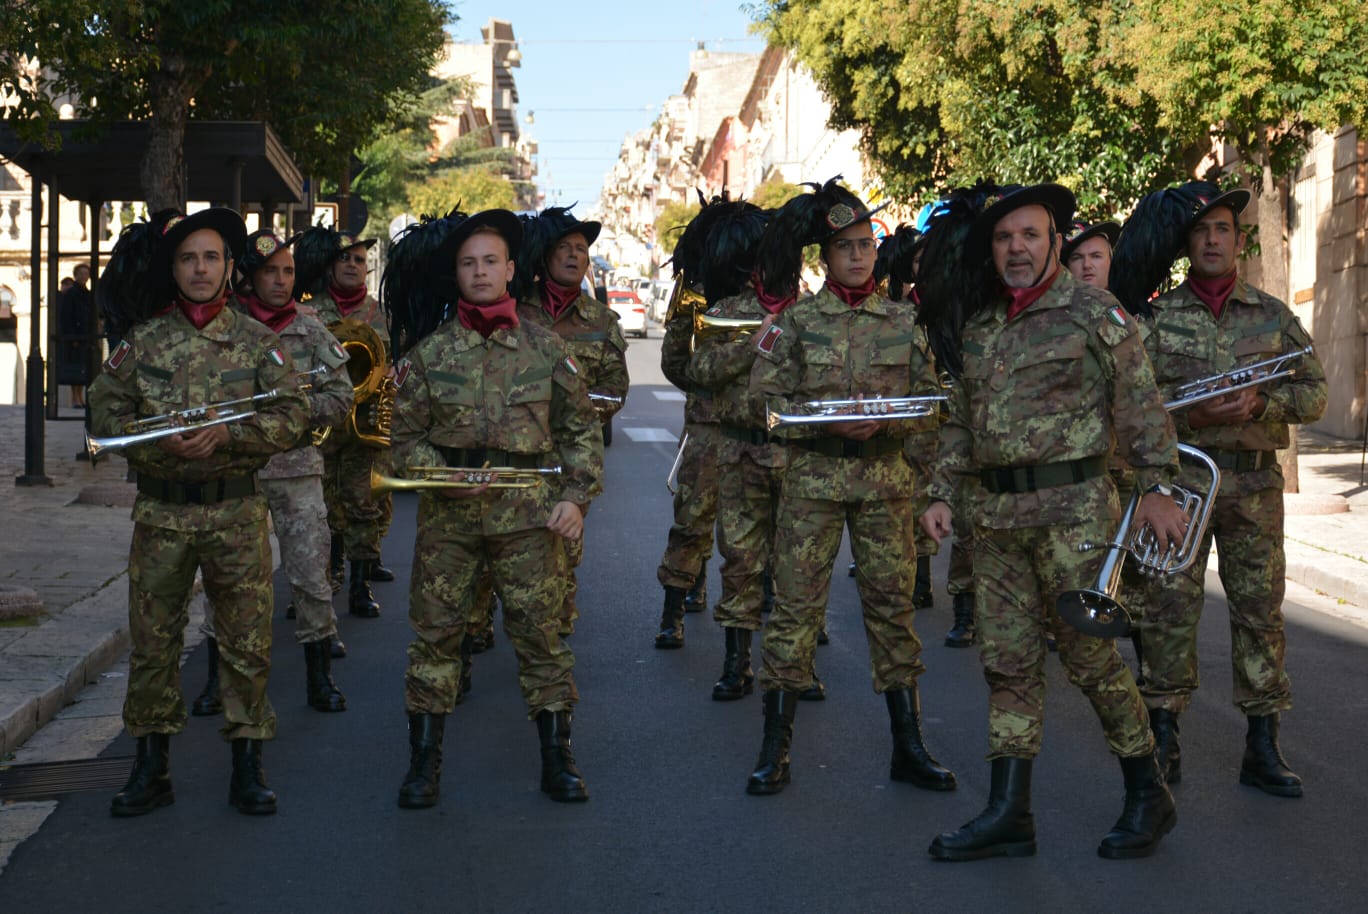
(121, 351)
(401, 372)
(1117, 316)
(570, 363)
(277, 357)
(338, 351)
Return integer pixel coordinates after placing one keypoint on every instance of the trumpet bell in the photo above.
(1094, 613)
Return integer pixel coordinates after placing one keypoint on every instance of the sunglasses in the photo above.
(359, 259)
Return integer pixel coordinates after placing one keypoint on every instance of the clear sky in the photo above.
(602, 54)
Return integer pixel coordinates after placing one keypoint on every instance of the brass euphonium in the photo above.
(707, 326)
(367, 365)
(684, 297)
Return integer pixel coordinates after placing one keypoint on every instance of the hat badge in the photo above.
(172, 223)
(840, 216)
(266, 245)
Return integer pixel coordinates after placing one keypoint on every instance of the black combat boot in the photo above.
(560, 778)
(360, 600)
(1148, 815)
(248, 791)
(814, 692)
(208, 702)
(771, 774)
(696, 600)
(671, 620)
(767, 587)
(337, 565)
(912, 763)
(149, 784)
(336, 648)
(322, 692)
(1005, 829)
(463, 687)
(420, 787)
(1263, 766)
(483, 640)
(850, 570)
(823, 636)
(921, 590)
(1167, 752)
(962, 633)
(290, 611)
(738, 680)
(377, 571)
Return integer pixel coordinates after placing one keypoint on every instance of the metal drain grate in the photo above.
(52, 779)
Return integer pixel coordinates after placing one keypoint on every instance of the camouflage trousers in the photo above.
(528, 571)
(1019, 574)
(301, 527)
(961, 575)
(806, 540)
(361, 519)
(236, 566)
(1248, 531)
(748, 500)
(481, 615)
(690, 542)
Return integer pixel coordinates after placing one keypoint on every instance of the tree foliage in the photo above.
(674, 217)
(472, 189)
(774, 192)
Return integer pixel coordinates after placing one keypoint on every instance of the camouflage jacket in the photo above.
(674, 363)
(165, 364)
(822, 349)
(1186, 343)
(369, 312)
(517, 391)
(311, 346)
(723, 365)
(1066, 379)
(593, 337)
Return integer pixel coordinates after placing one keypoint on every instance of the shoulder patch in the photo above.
(766, 343)
(337, 350)
(276, 356)
(570, 364)
(401, 371)
(1117, 316)
(121, 351)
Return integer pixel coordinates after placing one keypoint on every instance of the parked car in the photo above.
(660, 299)
(630, 311)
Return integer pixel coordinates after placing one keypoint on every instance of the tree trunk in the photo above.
(1273, 260)
(163, 167)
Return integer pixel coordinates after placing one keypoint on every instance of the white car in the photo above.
(630, 311)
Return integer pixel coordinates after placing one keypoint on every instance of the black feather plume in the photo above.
(315, 250)
(687, 258)
(894, 260)
(541, 233)
(129, 291)
(1151, 240)
(795, 225)
(418, 294)
(728, 251)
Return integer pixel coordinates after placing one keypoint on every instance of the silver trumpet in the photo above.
(1237, 378)
(672, 478)
(178, 422)
(602, 403)
(879, 409)
(1096, 611)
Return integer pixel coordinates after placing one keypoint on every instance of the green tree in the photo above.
(774, 193)
(674, 217)
(472, 189)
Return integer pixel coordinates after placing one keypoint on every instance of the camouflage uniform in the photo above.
(1188, 343)
(593, 337)
(690, 542)
(1044, 396)
(360, 518)
(514, 399)
(823, 349)
(750, 468)
(204, 514)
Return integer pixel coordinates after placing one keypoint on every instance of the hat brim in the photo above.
(226, 222)
(1235, 200)
(1056, 198)
(862, 217)
(366, 243)
(502, 221)
(1110, 230)
(589, 229)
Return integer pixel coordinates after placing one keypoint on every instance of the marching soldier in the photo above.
(1211, 323)
(1087, 252)
(198, 504)
(1053, 372)
(331, 279)
(486, 389)
(845, 342)
(555, 258)
(293, 480)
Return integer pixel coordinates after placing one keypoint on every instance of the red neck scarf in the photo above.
(200, 314)
(1214, 292)
(556, 298)
(852, 295)
(1021, 299)
(915, 296)
(774, 304)
(275, 318)
(485, 319)
(347, 302)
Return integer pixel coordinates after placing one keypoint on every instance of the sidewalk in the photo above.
(68, 544)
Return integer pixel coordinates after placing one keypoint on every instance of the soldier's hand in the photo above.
(936, 520)
(566, 520)
(196, 445)
(855, 429)
(1162, 515)
(466, 491)
(1235, 408)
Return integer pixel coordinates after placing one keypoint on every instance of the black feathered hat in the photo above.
(501, 220)
(261, 246)
(346, 241)
(1154, 237)
(417, 297)
(1235, 200)
(315, 250)
(225, 222)
(897, 253)
(1082, 231)
(809, 218)
(130, 290)
(728, 250)
(541, 234)
(1057, 199)
(687, 258)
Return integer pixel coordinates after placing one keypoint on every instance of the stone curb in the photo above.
(1337, 576)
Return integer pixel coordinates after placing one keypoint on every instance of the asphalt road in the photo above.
(669, 827)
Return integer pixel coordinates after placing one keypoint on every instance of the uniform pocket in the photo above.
(529, 414)
(453, 402)
(1049, 378)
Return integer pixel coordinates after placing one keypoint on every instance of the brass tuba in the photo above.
(707, 327)
(684, 297)
(367, 365)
